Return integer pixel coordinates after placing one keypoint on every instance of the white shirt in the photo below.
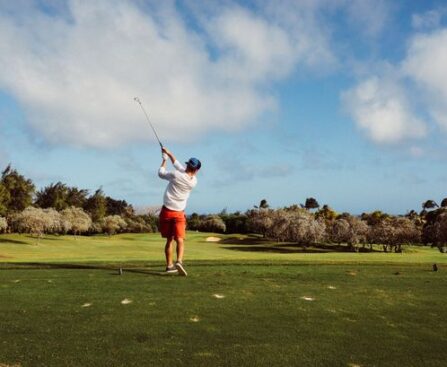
(180, 186)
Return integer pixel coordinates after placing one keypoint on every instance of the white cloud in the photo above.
(76, 75)
(426, 64)
(381, 109)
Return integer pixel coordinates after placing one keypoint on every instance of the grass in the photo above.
(149, 247)
(286, 308)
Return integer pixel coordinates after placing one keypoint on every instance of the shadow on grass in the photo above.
(258, 244)
(14, 242)
(115, 269)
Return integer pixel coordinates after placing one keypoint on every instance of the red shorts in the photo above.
(172, 223)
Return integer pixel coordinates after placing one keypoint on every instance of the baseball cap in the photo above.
(194, 163)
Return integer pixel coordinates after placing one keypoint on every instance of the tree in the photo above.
(19, 190)
(118, 207)
(213, 223)
(350, 230)
(112, 224)
(444, 203)
(3, 225)
(326, 213)
(53, 196)
(96, 205)
(75, 220)
(76, 197)
(33, 221)
(429, 204)
(311, 203)
(4, 199)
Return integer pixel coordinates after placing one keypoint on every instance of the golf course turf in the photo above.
(63, 303)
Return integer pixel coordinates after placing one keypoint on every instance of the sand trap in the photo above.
(126, 301)
(352, 273)
(331, 287)
(308, 298)
(218, 296)
(194, 319)
(213, 239)
(86, 305)
(16, 281)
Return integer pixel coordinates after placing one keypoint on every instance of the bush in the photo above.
(212, 223)
(3, 225)
(75, 220)
(31, 220)
(113, 224)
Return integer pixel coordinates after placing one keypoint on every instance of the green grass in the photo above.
(369, 309)
(141, 247)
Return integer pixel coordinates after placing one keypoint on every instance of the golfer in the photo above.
(172, 215)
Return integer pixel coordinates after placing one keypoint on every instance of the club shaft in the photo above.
(148, 120)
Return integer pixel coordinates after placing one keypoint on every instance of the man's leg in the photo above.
(168, 252)
(180, 249)
(179, 263)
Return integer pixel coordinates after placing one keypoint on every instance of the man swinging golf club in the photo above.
(172, 216)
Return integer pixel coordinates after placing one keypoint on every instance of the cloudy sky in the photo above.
(342, 100)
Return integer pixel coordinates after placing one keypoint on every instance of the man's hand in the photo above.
(166, 151)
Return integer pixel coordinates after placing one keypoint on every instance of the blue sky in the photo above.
(345, 101)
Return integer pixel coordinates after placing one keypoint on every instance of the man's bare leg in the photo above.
(180, 249)
(168, 252)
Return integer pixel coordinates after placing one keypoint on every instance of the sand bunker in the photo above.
(213, 239)
(194, 319)
(218, 296)
(126, 301)
(86, 305)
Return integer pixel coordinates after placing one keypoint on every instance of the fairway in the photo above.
(236, 308)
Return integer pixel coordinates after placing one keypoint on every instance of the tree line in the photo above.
(61, 209)
(309, 224)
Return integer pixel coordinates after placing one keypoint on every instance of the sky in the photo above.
(341, 100)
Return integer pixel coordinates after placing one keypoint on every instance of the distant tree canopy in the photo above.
(17, 192)
(311, 203)
(96, 205)
(429, 204)
(53, 196)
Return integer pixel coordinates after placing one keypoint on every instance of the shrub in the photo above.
(31, 220)
(212, 223)
(3, 225)
(113, 224)
(75, 220)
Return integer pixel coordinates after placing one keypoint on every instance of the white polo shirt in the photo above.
(180, 186)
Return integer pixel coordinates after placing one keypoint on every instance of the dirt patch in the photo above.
(213, 239)
(5, 257)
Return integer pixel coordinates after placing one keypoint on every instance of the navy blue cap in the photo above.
(194, 163)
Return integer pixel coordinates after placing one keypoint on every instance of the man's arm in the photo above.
(162, 172)
(178, 166)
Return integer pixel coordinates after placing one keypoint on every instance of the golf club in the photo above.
(136, 99)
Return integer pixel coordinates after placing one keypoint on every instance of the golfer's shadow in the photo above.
(160, 273)
(116, 270)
